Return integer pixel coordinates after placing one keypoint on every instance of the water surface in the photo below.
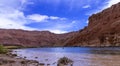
(109, 56)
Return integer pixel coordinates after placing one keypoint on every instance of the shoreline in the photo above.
(20, 47)
(9, 59)
(74, 47)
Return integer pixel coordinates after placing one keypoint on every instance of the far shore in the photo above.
(22, 47)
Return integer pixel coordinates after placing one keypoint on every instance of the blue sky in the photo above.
(57, 16)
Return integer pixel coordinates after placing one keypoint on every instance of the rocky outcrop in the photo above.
(103, 29)
(65, 62)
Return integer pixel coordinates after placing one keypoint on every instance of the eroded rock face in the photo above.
(101, 27)
(31, 38)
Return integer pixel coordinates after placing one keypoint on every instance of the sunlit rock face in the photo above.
(103, 29)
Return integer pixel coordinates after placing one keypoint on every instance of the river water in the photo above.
(82, 56)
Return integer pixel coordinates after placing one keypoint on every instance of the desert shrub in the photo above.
(3, 50)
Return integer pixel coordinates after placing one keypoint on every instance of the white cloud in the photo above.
(87, 21)
(43, 18)
(111, 2)
(37, 17)
(13, 21)
(11, 17)
(53, 17)
(57, 31)
(86, 6)
(62, 27)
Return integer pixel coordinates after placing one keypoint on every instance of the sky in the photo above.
(57, 16)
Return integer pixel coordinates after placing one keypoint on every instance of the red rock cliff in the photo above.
(103, 29)
(32, 38)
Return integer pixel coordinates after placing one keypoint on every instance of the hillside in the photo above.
(32, 38)
(103, 29)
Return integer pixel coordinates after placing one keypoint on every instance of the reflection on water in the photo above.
(80, 56)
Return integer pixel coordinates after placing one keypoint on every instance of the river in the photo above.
(82, 56)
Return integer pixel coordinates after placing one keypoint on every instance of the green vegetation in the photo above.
(3, 50)
(13, 47)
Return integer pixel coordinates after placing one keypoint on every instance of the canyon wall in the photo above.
(103, 29)
(32, 38)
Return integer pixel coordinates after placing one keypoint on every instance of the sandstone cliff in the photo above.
(32, 38)
(103, 29)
